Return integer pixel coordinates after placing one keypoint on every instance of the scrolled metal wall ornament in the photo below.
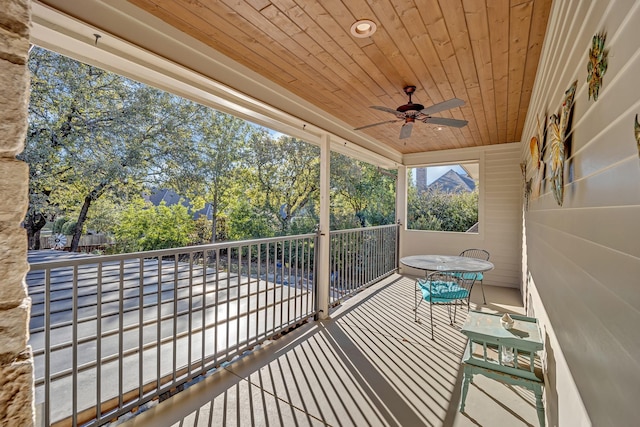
(597, 65)
(558, 125)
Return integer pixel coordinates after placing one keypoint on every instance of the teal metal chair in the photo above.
(479, 254)
(450, 289)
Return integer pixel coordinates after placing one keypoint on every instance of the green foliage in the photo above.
(246, 222)
(440, 211)
(145, 227)
(104, 215)
(69, 228)
(201, 233)
(58, 223)
(281, 178)
(361, 196)
(204, 166)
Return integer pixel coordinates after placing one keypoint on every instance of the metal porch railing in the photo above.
(360, 257)
(110, 333)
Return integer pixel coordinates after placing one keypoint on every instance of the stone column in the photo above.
(16, 361)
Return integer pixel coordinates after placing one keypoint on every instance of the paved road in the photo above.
(202, 312)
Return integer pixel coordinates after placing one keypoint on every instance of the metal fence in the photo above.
(360, 257)
(110, 333)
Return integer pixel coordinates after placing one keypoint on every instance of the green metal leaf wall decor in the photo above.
(597, 65)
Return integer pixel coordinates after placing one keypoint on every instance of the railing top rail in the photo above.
(360, 229)
(162, 252)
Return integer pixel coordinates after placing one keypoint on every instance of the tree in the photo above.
(92, 133)
(203, 167)
(362, 190)
(283, 174)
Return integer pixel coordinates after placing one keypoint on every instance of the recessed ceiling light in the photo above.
(363, 28)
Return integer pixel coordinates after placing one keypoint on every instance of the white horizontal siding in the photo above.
(583, 258)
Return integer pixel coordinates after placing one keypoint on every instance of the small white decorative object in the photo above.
(58, 241)
(506, 321)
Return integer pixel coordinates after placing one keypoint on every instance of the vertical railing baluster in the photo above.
(190, 319)
(203, 334)
(99, 343)
(309, 271)
(238, 295)
(282, 271)
(365, 261)
(74, 345)
(215, 304)
(296, 280)
(140, 327)
(289, 263)
(343, 265)
(352, 260)
(275, 281)
(174, 339)
(249, 260)
(228, 300)
(47, 347)
(258, 275)
(120, 334)
(266, 292)
(159, 326)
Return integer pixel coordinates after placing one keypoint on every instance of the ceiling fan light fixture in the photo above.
(363, 28)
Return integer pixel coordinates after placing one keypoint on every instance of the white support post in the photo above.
(401, 205)
(322, 269)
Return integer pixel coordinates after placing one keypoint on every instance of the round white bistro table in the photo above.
(447, 263)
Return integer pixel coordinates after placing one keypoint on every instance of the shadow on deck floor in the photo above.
(369, 365)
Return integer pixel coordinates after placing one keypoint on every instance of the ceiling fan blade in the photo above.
(386, 109)
(376, 124)
(405, 130)
(446, 122)
(445, 105)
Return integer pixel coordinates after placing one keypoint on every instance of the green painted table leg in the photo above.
(539, 406)
(468, 376)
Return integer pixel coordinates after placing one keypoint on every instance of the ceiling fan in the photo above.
(411, 112)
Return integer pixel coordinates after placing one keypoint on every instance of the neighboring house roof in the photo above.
(453, 182)
(170, 198)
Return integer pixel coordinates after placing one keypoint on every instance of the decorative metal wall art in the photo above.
(558, 125)
(597, 65)
(527, 185)
(636, 127)
(535, 147)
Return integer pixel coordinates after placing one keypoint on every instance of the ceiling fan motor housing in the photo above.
(410, 106)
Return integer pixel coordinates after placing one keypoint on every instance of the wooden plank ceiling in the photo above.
(484, 52)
